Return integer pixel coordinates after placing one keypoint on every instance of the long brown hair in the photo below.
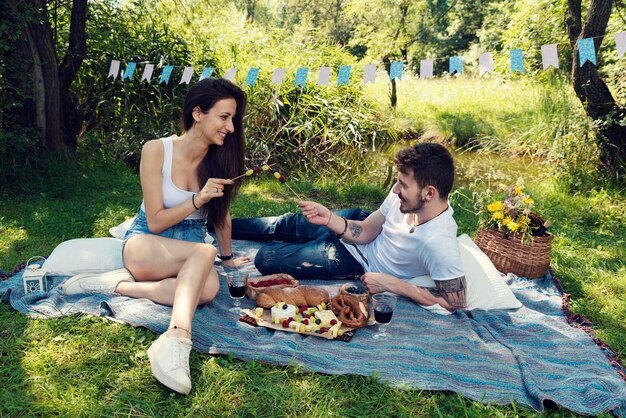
(226, 161)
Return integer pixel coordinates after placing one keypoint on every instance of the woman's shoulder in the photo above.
(153, 147)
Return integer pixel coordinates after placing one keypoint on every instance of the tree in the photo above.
(590, 88)
(46, 102)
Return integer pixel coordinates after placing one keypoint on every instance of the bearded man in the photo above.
(412, 234)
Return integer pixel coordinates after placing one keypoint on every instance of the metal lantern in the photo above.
(35, 279)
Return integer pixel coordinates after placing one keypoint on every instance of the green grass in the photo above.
(87, 366)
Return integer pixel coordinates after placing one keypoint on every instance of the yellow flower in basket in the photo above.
(512, 215)
(495, 206)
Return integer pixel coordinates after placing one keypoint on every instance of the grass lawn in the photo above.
(88, 366)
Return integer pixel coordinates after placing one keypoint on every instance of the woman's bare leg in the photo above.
(151, 259)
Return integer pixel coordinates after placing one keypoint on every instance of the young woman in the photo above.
(186, 183)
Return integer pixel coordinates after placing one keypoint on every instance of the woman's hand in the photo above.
(315, 213)
(234, 262)
(212, 188)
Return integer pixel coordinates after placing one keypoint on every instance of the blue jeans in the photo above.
(192, 230)
(307, 251)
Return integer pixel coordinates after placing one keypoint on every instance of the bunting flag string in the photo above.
(549, 58)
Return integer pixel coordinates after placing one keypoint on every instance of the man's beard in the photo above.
(415, 209)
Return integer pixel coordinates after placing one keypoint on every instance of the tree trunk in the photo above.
(590, 88)
(73, 116)
(43, 88)
(251, 5)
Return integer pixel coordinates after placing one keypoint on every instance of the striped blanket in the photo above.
(530, 355)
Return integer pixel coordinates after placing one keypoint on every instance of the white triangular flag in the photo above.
(620, 41)
(187, 73)
(147, 72)
(114, 70)
(324, 77)
(279, 74)
(426, 69)
(230, 74)
(485, 63)
(549, 56)
(369, 73)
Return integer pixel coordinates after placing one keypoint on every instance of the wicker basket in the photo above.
(510, 255)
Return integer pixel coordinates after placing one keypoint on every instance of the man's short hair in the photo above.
(432, 165)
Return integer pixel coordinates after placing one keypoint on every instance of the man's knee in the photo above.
(265, 261)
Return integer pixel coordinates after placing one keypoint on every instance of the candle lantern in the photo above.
(35, 278)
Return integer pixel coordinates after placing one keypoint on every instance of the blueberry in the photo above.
(285, 306)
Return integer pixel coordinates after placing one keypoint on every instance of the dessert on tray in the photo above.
(259, 284)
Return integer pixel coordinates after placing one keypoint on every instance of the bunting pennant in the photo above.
(485, 63)
(456, 64)
(369, 74)
(549, 56)
(206, 72)
(620, 41)
(114, 69)
(517, 61)
(277, 77)
(253, 74)
(300, 78)
(426, 69)
(395, 70)
(165, 75)
(130, 70)
(187, 74)
(586, 51)
(147, 72)
(324, 78)
(344, 75)
(230, 74)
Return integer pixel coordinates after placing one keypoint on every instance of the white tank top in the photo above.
(172, 195)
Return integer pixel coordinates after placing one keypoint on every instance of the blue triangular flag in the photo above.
(165, 75)
(395, 70)
(130, 70)
(344, 75)
(517, 61)
(300, 79)
(253, 74)
(455, 64)
(206, 73)
(586, 51)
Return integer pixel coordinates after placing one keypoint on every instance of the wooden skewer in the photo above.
(243, 175)
(293, 191)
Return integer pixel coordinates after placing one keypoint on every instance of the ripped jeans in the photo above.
(307, 251)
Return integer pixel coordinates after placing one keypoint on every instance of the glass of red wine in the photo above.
(237, 282)
(384, 304)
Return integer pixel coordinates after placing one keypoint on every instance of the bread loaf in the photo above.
(297, 296)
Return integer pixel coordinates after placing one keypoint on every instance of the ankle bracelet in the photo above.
(182, 329)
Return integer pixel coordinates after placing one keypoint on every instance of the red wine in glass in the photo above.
(383, 314)
(237, 282)
(384, 304)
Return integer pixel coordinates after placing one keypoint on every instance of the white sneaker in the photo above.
(169, 360)
(96, 282)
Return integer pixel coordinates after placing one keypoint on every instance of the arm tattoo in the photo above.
(355, 229)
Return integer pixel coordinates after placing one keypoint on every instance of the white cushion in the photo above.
(486, 287)
(85, 255)
(119, 231)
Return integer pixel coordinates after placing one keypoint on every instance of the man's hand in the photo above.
(315, 213)
(380, 282)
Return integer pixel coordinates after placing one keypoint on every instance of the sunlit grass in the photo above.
(85, 366)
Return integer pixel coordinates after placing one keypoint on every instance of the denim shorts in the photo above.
(191, 230)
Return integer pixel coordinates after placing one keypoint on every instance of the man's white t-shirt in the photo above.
(431, 249)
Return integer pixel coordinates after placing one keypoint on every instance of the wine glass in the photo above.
(384, 304)
(237, 282)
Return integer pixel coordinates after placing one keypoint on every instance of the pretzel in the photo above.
(297, 296)
(350, 311)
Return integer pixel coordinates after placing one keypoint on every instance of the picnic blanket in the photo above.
(529, 355)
